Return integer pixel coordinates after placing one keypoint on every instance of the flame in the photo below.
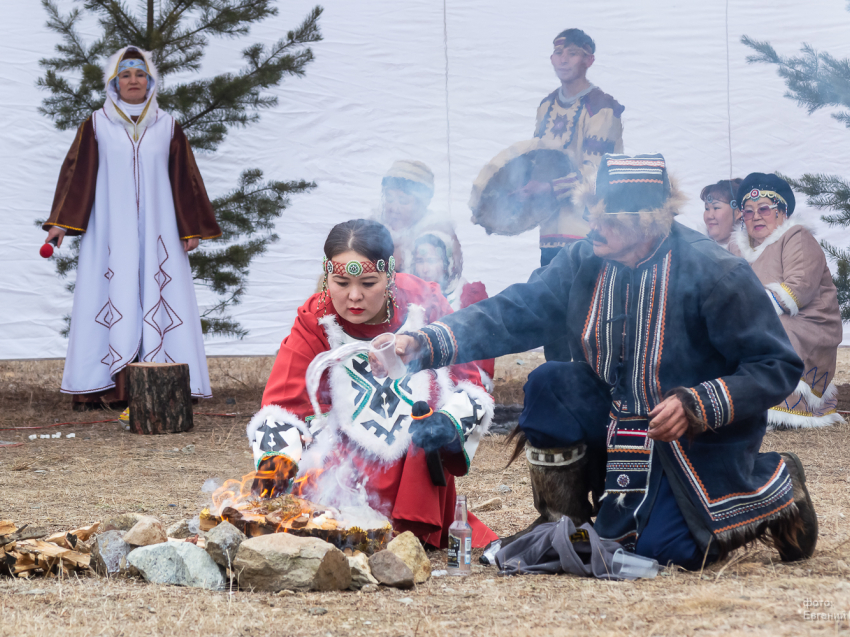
(269, 481)
(308, 484)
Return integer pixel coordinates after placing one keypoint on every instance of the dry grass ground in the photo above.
(62, 483)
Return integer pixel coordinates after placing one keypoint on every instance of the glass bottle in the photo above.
(460, 541)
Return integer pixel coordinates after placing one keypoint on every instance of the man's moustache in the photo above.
(593, 235)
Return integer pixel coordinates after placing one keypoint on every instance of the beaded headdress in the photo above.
(732, 203)
(356, 268)
(755, 193)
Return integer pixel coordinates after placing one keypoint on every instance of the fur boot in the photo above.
(559, 484)
(796, 538)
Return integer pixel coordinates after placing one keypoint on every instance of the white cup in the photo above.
(383, 347)
(631, 566)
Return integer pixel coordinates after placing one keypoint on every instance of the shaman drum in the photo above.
(495, 204)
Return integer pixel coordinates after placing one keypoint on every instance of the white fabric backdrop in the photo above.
(377, 92)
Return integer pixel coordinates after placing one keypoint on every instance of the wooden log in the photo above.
(160, 399)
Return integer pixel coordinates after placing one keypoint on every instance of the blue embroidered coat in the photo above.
(691, 315)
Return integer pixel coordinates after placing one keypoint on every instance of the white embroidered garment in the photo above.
(375, 413)
(134, 293)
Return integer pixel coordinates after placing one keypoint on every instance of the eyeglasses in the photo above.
(763, 211)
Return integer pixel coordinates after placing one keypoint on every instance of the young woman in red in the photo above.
(367, 422)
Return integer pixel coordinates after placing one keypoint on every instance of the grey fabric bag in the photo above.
(557, 547)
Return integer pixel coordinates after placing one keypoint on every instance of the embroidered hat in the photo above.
(758, 185)
(632, 184)
(412, 176)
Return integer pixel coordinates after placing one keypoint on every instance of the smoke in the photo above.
(595, 235)
(334, 478)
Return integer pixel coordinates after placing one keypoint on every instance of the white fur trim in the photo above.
(293, 445)
(811, 398)
(796, 421)
(278, 414)
(787, 299)
(486, 380)
(336, 335)
(109, 106)
(776, 304)
(742, 239)
(445, 386)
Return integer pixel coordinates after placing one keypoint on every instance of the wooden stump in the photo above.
(160, 399)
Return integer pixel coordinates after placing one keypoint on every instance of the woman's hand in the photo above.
(190, 244)
(57, 233)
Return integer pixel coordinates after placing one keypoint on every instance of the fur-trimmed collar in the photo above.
(742, 239)
(336, 335)
(110, 106)
(656, 221)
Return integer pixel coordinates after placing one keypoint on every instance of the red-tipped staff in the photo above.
(46, 250)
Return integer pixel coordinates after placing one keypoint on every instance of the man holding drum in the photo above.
(582, 120)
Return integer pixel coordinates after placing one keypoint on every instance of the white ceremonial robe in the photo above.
(134, 296)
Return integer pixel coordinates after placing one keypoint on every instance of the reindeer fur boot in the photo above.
(796, 538)
(559, 484)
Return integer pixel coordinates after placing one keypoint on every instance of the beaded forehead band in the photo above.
(356, 268)
(732, 203)
(562, 42)
(755, 193)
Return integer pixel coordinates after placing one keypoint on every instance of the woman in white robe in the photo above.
(130, 186)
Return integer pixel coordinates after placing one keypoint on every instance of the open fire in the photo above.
(262, 503)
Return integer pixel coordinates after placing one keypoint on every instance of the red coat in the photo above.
(413, 502)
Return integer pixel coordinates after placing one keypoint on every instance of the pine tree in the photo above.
(177, 32)
(815, 81)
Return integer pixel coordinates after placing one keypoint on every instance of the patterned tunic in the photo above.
(691, 315)
(586, 127)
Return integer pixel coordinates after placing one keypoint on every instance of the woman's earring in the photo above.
(390, 296)
(323, 297)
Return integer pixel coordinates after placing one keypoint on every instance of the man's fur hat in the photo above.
(629, 187)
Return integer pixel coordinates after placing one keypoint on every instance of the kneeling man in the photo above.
(677, 355)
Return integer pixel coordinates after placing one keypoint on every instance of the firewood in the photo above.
(160, 398)
(24, 563)
(50, 551)
(26, 532)
(71, 538)
(7, 527)
(207, 520)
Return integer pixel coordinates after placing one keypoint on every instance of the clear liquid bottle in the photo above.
(460, 541)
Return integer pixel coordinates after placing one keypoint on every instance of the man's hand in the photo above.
(57, 233)
(190, 244)
(405, 346)
(668, 421)
(532, 189)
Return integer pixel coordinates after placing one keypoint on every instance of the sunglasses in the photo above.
(763, 211)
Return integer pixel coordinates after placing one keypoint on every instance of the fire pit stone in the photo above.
(223, 542)
(148, 530)
(408, 547)
(285, 561)
(109, 553)
(389, 569)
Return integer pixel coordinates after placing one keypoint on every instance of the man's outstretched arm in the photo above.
(522, 317)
